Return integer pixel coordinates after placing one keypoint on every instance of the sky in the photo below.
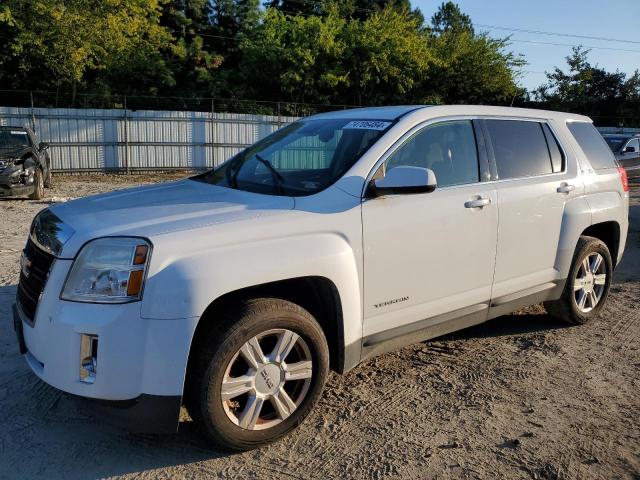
(613, 19)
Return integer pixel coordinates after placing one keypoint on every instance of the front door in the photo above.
(430, 254)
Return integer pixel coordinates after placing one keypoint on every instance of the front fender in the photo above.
(184, 285)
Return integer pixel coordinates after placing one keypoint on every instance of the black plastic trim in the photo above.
(144, 414)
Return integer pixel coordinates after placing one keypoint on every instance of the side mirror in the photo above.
(43, 146)
(629, 150)
(403, 180)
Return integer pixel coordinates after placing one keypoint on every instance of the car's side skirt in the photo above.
(439, 325)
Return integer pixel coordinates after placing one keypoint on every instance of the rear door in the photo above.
(533, 182)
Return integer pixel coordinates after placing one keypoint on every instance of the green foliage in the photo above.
(350, 52)
(449, 18)
(54, 42)
(470, 68)
(387, 57)
(297, 58)
(609, 97)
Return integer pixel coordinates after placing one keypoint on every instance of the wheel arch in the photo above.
(609, 233)
(316, 294)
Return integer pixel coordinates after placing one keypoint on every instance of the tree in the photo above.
(386, 57)
(468, 67)
(51, 43)
(591, 90)
(449, 18)
(297, 58)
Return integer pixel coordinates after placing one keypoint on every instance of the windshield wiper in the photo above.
(278, 179)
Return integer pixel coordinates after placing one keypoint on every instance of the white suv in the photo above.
(338, 237)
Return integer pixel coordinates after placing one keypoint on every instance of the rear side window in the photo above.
(593, 145)
(520, 148)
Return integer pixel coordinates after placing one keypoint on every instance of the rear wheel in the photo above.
(38, 185)
(258, 376)
(587, 286)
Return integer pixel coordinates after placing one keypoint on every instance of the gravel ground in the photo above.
(522, 396)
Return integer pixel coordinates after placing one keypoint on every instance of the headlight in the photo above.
(108, 270)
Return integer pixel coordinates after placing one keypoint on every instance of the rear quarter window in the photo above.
(593, 145)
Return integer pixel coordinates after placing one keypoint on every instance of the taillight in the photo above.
(624, 179)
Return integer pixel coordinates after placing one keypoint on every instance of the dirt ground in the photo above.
(522, 396)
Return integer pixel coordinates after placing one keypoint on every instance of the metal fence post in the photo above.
(126, 137)
(279, 118)
(213, 133)
(33, 117)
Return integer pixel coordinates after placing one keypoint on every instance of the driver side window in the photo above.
(448, 149)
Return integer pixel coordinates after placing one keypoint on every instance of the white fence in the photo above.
(86, 140)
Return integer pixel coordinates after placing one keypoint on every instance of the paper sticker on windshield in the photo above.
(367, 125)
(15, 132)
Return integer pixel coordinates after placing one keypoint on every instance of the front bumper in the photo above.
(141, 363)
(13, 183)
(15, 190)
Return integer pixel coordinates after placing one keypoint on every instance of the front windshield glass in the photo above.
(299, 159)
(615, 143)
(13, 139)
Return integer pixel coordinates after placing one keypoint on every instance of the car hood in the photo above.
(153, 210)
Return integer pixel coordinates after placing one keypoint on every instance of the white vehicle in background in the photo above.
(338, 237)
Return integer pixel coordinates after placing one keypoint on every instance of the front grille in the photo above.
(31, 285)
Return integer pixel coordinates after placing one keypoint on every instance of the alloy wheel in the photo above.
(260, 390)
(590, 282)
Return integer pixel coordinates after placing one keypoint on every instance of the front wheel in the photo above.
(38, 185)
(587, 286)
(257, 376)
(47, 180)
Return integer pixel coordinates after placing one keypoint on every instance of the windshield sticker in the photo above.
(15, 132)
(367, 125)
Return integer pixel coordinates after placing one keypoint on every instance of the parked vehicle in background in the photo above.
(25, 165)
(626, 148)
(339, 237)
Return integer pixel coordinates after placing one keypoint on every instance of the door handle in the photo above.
(477, 203)
(566, 188)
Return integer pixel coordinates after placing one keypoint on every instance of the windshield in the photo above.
(12, 139)
(299, 159)
(615, 143)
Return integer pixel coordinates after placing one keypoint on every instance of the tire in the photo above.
(47, 180)
(38, 185)
(570, 307)
(218, 359)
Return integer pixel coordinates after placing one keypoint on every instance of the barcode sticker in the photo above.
(367, 125)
